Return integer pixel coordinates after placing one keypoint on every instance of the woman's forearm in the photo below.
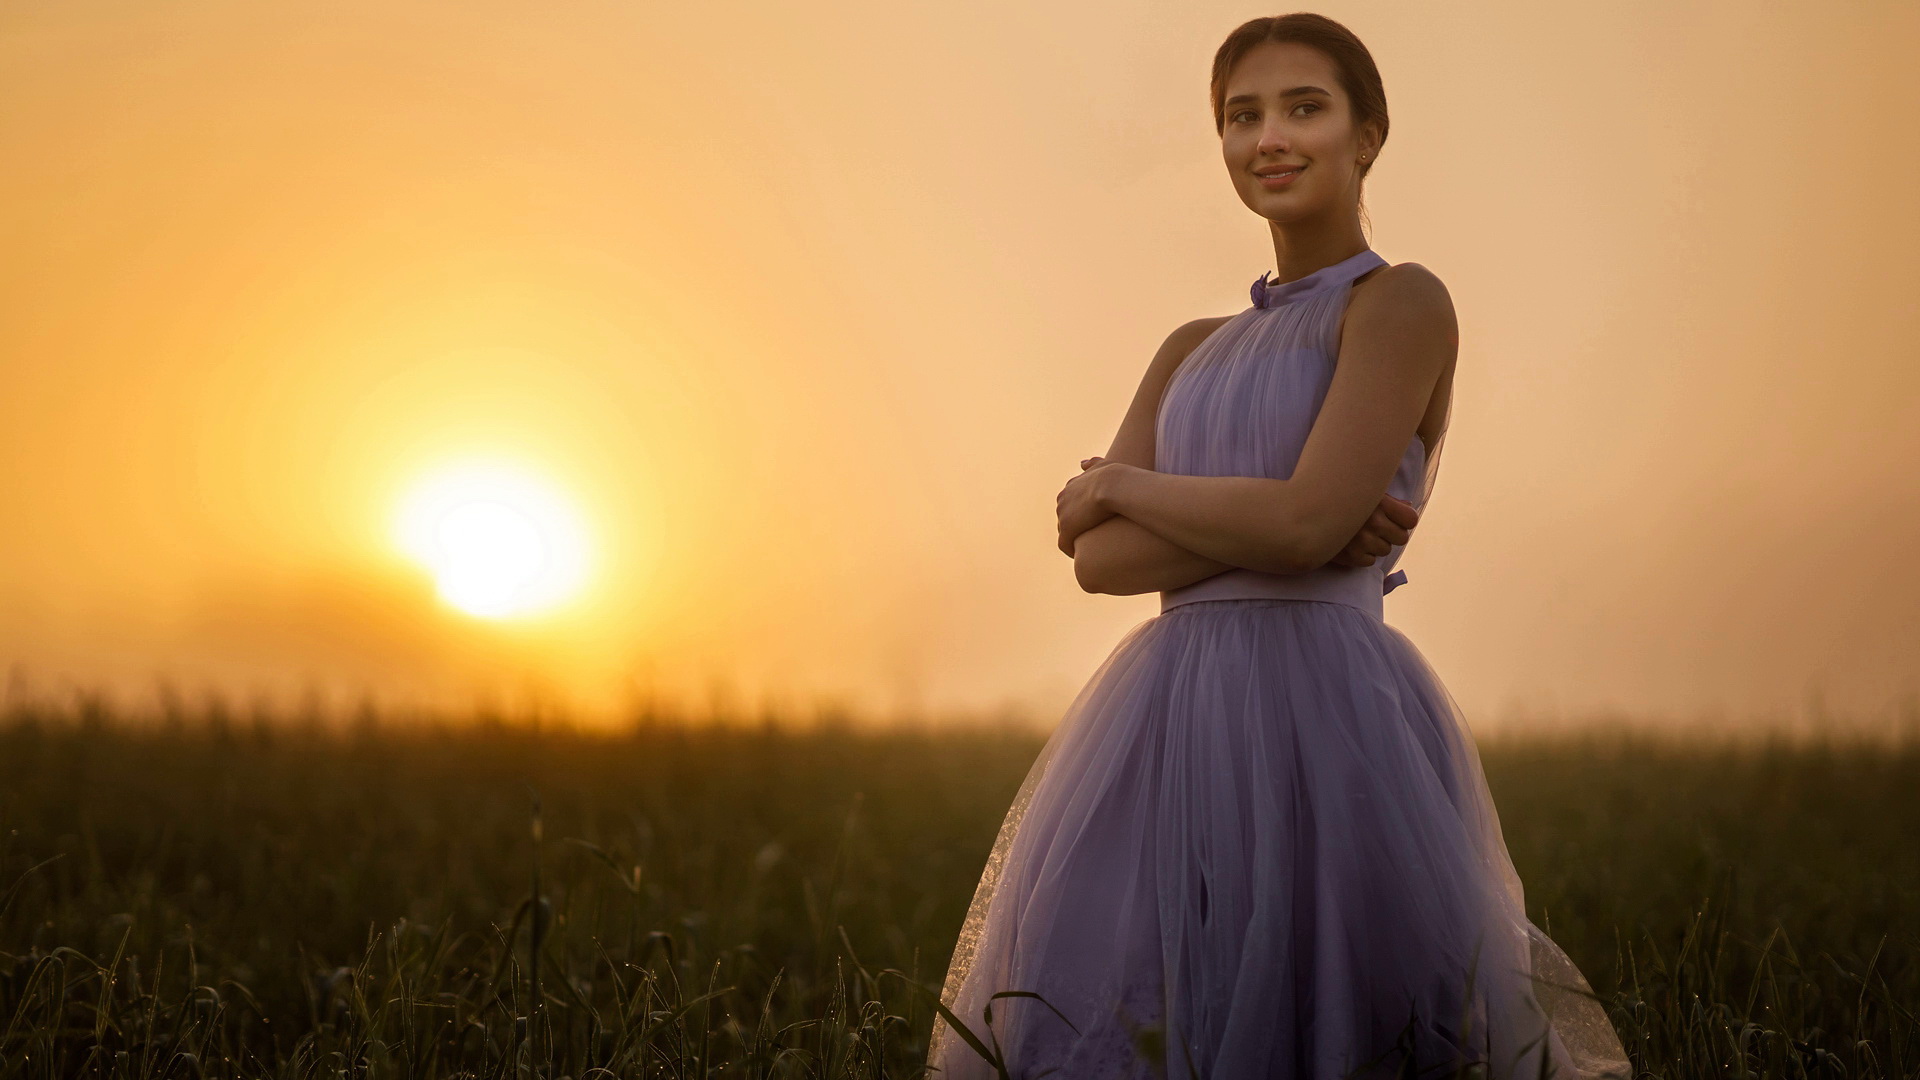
(1121, 557)
(1246, 521)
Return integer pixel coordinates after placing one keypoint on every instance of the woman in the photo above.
(1260, 844)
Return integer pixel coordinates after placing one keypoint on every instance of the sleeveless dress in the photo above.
(1259, 843)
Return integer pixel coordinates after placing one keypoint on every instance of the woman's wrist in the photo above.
(1117, 484)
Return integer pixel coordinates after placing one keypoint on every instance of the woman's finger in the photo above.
(1400, 512)
(1387, 529)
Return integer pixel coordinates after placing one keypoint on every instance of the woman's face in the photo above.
(1285, 110)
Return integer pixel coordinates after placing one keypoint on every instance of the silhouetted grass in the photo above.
(212, 899)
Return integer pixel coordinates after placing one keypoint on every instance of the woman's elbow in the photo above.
(1086, 571)
(1100, 569)
(1111, 579)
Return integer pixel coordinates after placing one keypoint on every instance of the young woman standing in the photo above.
(1260, 844)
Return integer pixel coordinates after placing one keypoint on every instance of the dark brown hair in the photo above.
(1352, 63)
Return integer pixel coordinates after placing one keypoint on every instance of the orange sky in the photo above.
(813, 309)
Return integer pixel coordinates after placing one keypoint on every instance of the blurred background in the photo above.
(731, 355)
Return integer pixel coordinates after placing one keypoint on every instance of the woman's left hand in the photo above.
(1080, 504)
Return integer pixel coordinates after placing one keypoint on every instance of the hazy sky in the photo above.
(810, 310)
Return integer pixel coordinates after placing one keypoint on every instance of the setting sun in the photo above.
(499, 539)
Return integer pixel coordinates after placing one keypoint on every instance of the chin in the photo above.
(1279, 208)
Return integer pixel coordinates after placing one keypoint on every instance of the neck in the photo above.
(1301, 247)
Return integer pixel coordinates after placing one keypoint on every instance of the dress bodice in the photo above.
(1242, 404)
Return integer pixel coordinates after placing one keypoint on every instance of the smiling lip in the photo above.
(1279, 180)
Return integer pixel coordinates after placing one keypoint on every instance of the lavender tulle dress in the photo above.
(1260, 839)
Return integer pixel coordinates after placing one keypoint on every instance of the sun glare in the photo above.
(500, 540)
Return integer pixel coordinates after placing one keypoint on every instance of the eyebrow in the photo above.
(1296, 91)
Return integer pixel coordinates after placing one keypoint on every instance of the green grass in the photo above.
(208, 899)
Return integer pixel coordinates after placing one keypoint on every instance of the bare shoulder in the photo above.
(1405, 312)
(1401, 286)
(1405, 301)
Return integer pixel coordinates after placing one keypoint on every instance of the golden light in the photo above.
(500, 540)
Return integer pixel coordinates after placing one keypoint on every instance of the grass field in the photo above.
(201, 898)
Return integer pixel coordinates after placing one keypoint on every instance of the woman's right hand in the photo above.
(1391, 524)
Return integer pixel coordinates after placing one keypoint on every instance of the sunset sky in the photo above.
(795, 317)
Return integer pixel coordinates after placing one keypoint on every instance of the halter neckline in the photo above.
(1270, 294)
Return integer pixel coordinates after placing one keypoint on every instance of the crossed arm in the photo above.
(1122, 557)
(1130, 529)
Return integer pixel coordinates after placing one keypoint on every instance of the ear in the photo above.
(1370, 140)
